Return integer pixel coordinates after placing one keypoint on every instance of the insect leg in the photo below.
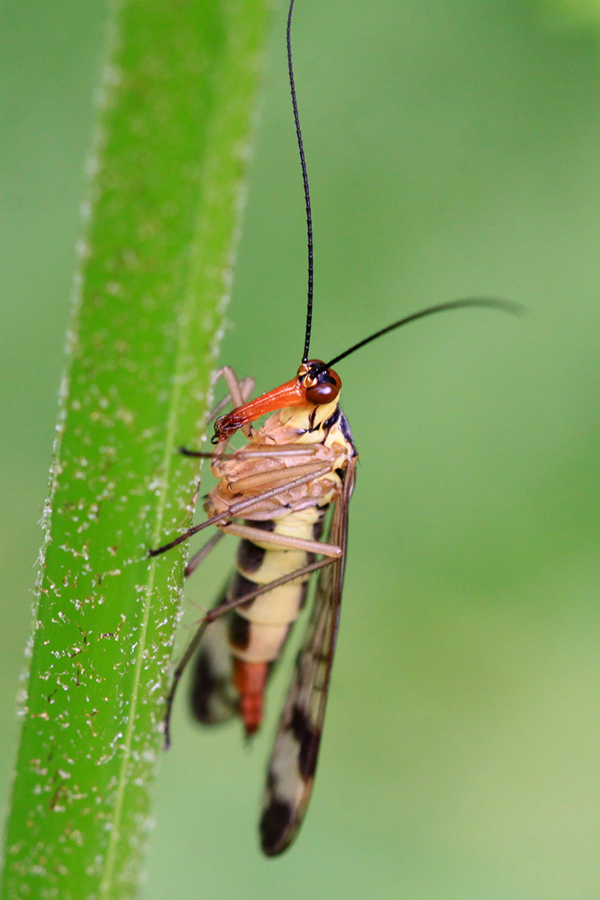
(181, 666)
(223, 608)
(278, 477)
(197, 558)
(239, 392)
(280, 540)
(241, 506)
(278, 452)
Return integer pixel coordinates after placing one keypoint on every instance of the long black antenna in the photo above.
(490, 302)
(309, 230)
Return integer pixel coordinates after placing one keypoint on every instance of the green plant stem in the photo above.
(155, 269)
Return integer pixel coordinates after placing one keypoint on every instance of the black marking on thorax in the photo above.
(332, 420)
(326, 426)
(345, 429)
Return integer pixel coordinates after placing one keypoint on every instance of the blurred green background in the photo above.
(453, 150)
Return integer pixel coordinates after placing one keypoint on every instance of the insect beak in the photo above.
(292, 393)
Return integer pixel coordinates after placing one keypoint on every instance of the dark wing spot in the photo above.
(239, 631)
(206, 682)
(299, 724)
(308, 738)
(250, 557)
(275, 821)
(309, 754)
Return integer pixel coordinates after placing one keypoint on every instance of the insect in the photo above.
(286, 495)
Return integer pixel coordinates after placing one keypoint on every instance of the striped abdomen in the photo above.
(238, 651)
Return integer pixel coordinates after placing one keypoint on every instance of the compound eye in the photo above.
(322, 393)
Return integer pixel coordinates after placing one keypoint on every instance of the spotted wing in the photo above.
(293, 762)
(213, 697)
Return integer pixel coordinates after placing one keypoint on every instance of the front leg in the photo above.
(239, 392)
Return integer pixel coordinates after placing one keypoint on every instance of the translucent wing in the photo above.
(293, 762)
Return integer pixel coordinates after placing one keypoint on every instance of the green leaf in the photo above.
(155, 270)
